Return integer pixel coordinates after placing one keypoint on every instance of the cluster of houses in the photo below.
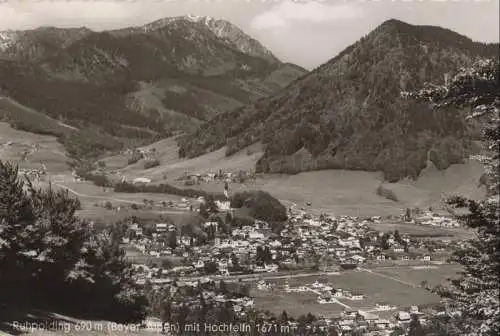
(370, 323)
(186, 293)
(327, 243)
(324, 243)
(326, 293)
(434, 219)
(34, 174)
(221, 176)
(148, 154)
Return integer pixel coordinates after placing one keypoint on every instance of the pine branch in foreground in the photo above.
(473, 298)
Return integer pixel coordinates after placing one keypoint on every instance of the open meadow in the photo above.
(395, 286)
(423, 231)
(433, 276)
(294, 304)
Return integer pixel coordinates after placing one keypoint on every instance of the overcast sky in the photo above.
(305, 32)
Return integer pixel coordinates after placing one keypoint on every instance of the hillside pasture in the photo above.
(434, 184)
(40, 149)
(172, 167)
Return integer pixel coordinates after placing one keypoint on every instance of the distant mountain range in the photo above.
(348, 113)
(140, 82)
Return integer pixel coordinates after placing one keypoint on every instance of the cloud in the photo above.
(19, 14)
(285, 13)
(91, 13)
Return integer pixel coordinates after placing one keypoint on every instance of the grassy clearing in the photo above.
(172, 167)
(434, 276)
(294, 303)
(422, 230)
(377, 289)
(434, 184)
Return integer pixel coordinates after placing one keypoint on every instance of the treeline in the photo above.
(165, 189)
(52, 260)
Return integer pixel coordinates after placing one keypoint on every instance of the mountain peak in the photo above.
(223, 29)
(394, 23)
(348, 113)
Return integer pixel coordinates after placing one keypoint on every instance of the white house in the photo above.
(223, 206)
(357, 297)
(141, 180)
(255, 235)
(403, 316)
(161, 227)
(199, 264)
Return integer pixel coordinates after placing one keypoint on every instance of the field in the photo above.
(422, 230)
(433, 184)
(434, 277)
(294, 304)
(49, 151)
(397, 286)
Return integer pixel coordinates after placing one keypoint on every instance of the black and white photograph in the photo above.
(249, 167)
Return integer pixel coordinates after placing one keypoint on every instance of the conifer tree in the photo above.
(17, 233)
(475, 294)
(49, 258)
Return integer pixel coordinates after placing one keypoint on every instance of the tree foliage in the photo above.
(51, 259)
(261, 205)
(475, 294)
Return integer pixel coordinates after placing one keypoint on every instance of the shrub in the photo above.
(136, 156)
(100, 180)
(387, 193)
(151, 164)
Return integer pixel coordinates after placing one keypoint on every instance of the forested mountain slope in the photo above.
(348, 112)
